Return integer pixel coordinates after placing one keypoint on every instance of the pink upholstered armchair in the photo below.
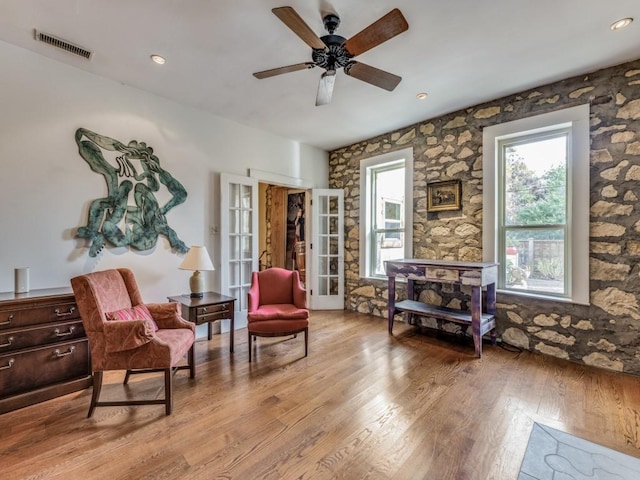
(277, 306)
(126, 334)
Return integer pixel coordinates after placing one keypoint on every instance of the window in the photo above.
(386, 220)
(536, 204)
(532, 219)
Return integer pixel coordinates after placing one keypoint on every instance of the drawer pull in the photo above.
(8, 344)
(8, 365)
(7, 321)
(440, 273)
(204, 310)
(66, 314)
(58, 333)
(59, 354)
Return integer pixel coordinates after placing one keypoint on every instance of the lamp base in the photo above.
(196, 282)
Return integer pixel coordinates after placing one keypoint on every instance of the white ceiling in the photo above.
(461, 52)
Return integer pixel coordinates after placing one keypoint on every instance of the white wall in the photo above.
(46, 187)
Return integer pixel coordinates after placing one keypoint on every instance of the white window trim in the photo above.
(405, 154)
(578, 119)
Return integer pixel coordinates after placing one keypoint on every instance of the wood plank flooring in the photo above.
(363, 404)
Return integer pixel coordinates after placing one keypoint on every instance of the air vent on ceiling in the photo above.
(62, 44)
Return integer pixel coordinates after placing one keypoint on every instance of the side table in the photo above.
(211, 307)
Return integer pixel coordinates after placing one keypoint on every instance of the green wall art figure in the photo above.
(130, 215)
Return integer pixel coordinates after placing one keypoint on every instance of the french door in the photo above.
(239, 244)
(239, 239)
(327, 250)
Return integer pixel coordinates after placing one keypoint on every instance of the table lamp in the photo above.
(196, 259)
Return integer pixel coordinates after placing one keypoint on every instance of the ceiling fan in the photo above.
(332, 51)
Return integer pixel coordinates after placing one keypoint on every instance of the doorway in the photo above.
(245, 215)
(282, 228)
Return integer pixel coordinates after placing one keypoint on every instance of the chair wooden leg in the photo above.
(97, 386)
(126, 377)
(306, 341)
(168, 392)
(250, 346)
(191, 358)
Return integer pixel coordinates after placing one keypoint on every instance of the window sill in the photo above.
(539, 296)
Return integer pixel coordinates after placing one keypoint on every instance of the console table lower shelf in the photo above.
(470, 274)
(487, 321)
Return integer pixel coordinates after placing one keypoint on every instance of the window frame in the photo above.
(504, 227)
(375, 225)
(576, 121)
(368, 167)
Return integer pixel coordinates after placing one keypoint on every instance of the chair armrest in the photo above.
(299, 293)
(253, 296)
(122, 335)
(168, 315)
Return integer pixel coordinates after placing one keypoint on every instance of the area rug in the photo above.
(555, 455)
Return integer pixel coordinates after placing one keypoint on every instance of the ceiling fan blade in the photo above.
(325, 88)
(279, 71)
(292, 20)
(392, 24)
(372, 75)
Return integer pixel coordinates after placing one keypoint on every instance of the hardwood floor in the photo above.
(363, 404)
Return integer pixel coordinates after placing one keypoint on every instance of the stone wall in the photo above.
(604, 334)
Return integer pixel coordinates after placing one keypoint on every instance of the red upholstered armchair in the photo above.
(277, 306)
(126, 334)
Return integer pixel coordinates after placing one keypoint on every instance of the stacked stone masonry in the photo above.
(607, 332)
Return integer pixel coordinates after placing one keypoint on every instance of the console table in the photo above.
(475, 275)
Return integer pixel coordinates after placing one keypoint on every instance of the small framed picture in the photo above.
(443, 196)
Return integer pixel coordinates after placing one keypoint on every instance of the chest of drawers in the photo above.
(43, 348)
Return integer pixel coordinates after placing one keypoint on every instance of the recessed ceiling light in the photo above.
(421, 96)
(158, 59)
(624, 22)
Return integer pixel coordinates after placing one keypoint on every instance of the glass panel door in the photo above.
(239, 239)
(327, 249)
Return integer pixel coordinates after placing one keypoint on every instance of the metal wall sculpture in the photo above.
(130, 215)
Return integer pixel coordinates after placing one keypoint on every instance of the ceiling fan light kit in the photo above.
(325, 89)
(332, 52)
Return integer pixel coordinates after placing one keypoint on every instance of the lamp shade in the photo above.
(197, 258)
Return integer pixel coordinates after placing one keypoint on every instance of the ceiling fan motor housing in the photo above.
(335, 55)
